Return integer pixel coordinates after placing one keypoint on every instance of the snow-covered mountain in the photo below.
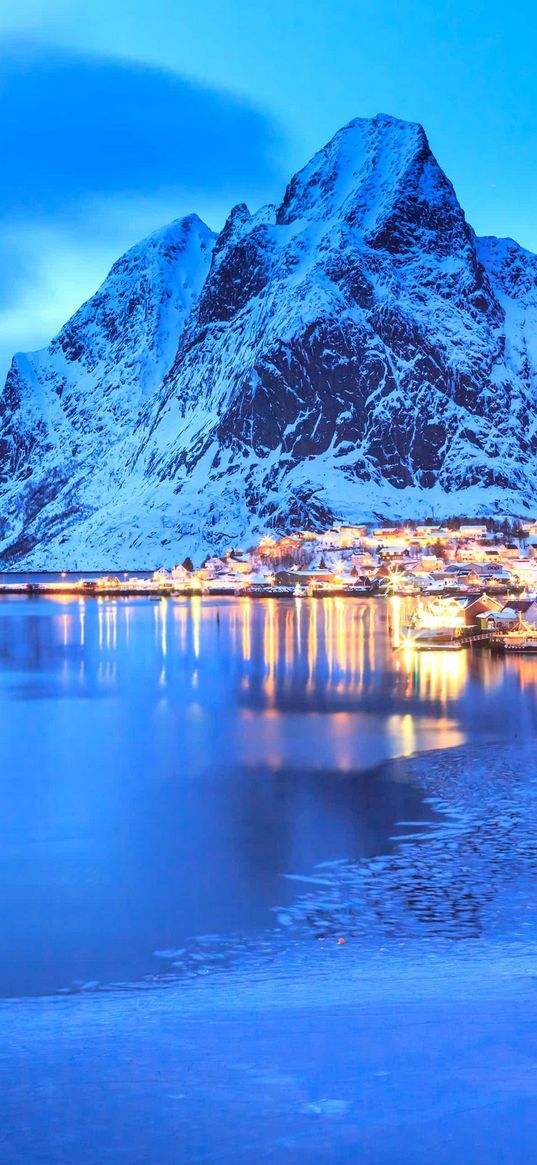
(355, 352)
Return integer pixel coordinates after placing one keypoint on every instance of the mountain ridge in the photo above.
(354, 352)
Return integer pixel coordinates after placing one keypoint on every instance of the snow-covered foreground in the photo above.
(414, 1041)
(395, 1060)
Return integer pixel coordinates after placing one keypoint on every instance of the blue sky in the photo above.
(116, 117)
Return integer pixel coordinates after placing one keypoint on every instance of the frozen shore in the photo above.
(414, 1041)
(394, 1060)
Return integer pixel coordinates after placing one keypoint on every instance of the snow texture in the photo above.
(353, 354)
(412, 1042)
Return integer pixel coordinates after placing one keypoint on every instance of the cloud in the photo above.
(96, 153)
(15, 268)
(75, 126)
(45, 273)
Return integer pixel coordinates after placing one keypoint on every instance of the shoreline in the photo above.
(308, 918)
(385, 1048)
(76, 591)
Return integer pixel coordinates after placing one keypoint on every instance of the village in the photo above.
(472, 581)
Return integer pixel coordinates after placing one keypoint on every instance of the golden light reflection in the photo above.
(163, 608)
(270, 647)
(312, 642)
(298, 610)
(82, 621)
(111, 625)
(100, 621)
(328, 612)
(341, 611)
(353, 641)
(180, 616)
(407, 734)
(525, 667)
(436, 675)
(395, 620)
(195, 606)
(289, 641)
(334, 646)
(162, 623)
(410, 734)
(361, 647)
(371, 639)
(246, 627)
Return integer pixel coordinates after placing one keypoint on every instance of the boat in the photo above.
(431, 638)
(434, 626)
(519, 642)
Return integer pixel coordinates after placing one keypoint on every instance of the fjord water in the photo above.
(166, 762)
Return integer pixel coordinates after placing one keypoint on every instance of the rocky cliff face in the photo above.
(355, 352)
(70, 415)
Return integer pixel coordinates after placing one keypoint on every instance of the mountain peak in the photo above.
(355, 352)
(384, 123)
(379, 176)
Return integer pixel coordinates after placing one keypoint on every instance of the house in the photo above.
(180, 573)
(395, 549)
(526, 608)
(304, 578)
(346, 537)
(430, 531)
(236, 564)
(475, 609)
(471, 530)
(363, 562)
(505, 620)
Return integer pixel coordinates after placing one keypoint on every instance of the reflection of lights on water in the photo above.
(411, 733)
(180, 615)
(100, 620)
(312, 641)
(246, 612)
(328, 611)
(82, 621)
(444, 674)
(289, 641)
(372, 637)
(411, 660)
(195, 606)
(408, 734)
(361, 647)
(341, 634)
(298, 610)
(395, 618)
(337, 641)
(270, 646)
(107, 623)
(436, 675)
(162, 613)
(163, 605)
(111, 625)
(353, 642)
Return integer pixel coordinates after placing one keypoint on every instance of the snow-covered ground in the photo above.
(413, 1041)
(403, 1059)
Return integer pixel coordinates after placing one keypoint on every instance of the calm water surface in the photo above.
(164, 763)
